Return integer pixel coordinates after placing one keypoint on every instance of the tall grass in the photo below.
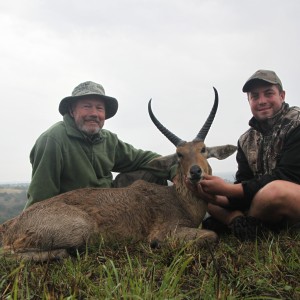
(265, 269)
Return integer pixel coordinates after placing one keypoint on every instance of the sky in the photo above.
(174, 52)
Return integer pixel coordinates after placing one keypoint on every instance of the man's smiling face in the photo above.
(89, 114)
(265, 101)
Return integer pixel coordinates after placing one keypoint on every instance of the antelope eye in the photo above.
(203, 150)
(179, 155)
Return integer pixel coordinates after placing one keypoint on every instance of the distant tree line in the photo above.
(12, 200)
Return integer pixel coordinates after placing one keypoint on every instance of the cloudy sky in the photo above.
(173, 51)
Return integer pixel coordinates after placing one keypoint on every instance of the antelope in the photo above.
(146, 212)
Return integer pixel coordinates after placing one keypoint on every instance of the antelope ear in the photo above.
(220, 152)
(163, 162)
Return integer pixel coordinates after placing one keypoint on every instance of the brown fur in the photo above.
(140, 212)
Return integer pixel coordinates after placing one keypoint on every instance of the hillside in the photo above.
(12, 200)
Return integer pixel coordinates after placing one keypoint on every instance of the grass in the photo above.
(265, 269)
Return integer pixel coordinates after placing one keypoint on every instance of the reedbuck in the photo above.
(144, 211)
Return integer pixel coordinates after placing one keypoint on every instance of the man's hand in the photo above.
(199, 192)
(214, 185)
(210, 189)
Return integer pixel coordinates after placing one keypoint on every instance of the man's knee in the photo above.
(275, 201)
(271, 194)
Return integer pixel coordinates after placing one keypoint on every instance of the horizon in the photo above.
(223, 174)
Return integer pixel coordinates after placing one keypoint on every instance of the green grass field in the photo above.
(266, 269)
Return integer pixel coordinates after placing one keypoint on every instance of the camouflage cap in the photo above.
(262, 75)
(90, 88)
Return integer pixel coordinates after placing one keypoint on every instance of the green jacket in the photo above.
(64, 159)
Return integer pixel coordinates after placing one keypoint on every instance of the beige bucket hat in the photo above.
(90, 88)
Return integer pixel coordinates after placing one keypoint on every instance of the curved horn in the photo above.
(205, 128)
(168, 134)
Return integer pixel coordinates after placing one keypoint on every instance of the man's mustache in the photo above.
(92, 119)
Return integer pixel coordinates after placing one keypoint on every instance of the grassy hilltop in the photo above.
(266, 269)
(12, 200)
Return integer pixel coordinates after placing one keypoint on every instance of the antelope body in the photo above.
(141, 212)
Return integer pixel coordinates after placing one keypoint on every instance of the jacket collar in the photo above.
(267, 125)
(73, 131)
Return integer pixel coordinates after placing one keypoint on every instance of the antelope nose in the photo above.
(195, 172)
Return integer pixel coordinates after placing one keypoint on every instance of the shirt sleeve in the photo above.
(287, 168)
(46, 160)
(129, 159)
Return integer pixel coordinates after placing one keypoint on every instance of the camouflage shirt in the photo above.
(268, 151)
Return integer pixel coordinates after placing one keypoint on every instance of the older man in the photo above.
(266, 193)
(77, 152)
